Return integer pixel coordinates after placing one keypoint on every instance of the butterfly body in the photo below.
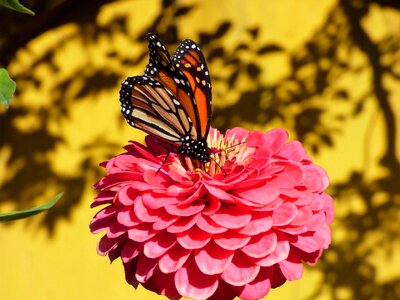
(172, 100)
(196, 149)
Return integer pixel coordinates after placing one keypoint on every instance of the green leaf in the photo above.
(11, 216)
(15, 5)
(7, 87)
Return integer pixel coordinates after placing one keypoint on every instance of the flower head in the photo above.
(244, 223)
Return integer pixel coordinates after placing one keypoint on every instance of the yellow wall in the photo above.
(318, 84)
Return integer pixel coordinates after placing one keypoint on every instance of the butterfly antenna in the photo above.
(225, 151)
(219, 166)
(233, 146)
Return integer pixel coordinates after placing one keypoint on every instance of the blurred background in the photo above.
(327, 71)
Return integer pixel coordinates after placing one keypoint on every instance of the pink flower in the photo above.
(182, 231)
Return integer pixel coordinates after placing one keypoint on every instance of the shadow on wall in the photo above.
(296, 99)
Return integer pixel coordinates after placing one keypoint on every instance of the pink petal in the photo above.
(329, 210)
(116, 230)
(280, 253)
(183, 224)
(213, 259)
(231, 240)
(157, 147)
(146, 214)
(323, 236)
(164, 223)
(261, 245)
(212, 205)
(241, 176)
(141, 232)
(271, 206)
(306, 242)
(294, 230)
(119, 178)
(184, 210)
(224, 291)
(115, 253)
(271, 170)
(315, 179)
(230, 216)
(276, 277)
(292, 267)
(258, 288)
(249, 180)
(258, 196)
(127, 195)
(184, 191)
(309, 258)
(103, 220)
(292, 193)
(303, 216)
(317, 202)
(155, 201)
(284, 214)
(208, 225)
(178, 173)
(126, 216)
(273, 139)
(140, 185)
(195, 238)
(316, 221)
(137, 149)
(107, 244)
(219, 193)
(240, 271)
(159, 245)
(260, 222)
(303, 199)
(293, 151)
(192, 197)
(174, 259)
(106, 212)
(129, 251)
(105, 197)
(163, 284)
(150, 174)
(130, 269)
(145, 268)
(236, 132)
(192, 283)
(291, 176)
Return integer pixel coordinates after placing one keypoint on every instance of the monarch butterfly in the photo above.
(172, 100)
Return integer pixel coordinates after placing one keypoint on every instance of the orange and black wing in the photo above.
(161, 68)
(147, 105)
(190, 60)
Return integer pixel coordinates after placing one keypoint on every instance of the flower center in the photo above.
(227, 153)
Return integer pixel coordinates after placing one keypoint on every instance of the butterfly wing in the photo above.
(147, 105)
(161, 68)
(190, 60)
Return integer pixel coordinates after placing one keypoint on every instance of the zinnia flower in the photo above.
(245, 223)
